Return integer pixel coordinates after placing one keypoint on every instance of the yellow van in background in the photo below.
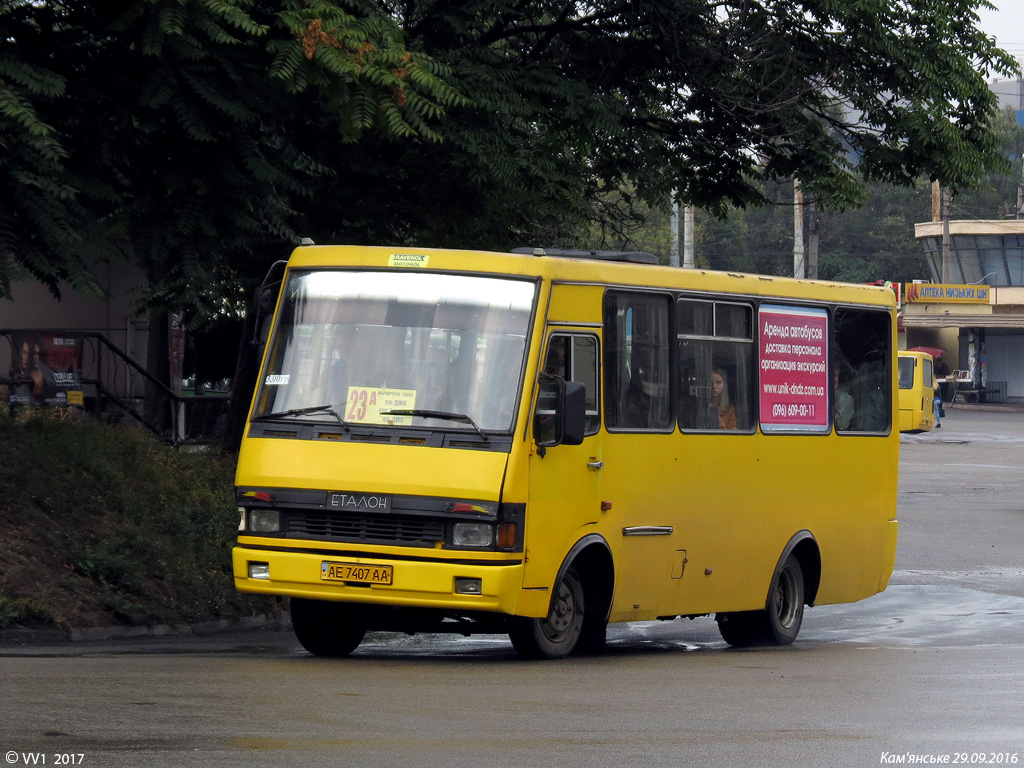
(917, 391)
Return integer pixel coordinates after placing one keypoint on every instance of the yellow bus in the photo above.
(917, 391)
(539, 443)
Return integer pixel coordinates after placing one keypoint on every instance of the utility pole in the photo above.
(688, 237)
(799, 264)
(1020, 194)
(940, 212)
(673, 250)
(812, 241)
(946, 257)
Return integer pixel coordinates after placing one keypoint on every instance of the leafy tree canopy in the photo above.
(569, 102)
(711, 98)
(195, 134)
(875, 241)
(174, 131)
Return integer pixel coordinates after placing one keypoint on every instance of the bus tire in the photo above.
(325, 628)
(785, 610)
(741, 629)
(556, 635)
(779, 623)
(593, 635)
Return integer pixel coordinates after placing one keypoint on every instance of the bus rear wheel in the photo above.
(779, 623)
(785, 610)
(325, 628)
(557, 634)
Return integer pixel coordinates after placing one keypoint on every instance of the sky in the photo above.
(1006, 25)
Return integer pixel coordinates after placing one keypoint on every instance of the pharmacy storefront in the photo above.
(981, 328)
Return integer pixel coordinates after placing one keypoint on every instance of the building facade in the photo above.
(977, 315)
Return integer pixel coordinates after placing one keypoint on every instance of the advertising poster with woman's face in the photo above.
(45, 368)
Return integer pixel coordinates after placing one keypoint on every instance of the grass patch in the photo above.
(105, 525)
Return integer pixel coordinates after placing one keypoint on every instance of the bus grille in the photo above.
(332, 526)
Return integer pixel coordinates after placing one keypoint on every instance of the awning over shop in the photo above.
(932, 320)
(980, 251)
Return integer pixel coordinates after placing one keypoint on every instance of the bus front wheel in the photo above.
(779, 623)
(556, 635)
(325, 628)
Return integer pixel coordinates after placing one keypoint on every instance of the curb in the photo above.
(982, 407)
(86, 634)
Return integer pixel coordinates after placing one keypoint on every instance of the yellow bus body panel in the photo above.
(354, 467)
(367, 467)
(733, 501)
(917, 409)
(735, 509)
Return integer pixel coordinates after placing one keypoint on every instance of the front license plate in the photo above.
(359, 573)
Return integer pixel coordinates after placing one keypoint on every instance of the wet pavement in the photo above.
(931, 668)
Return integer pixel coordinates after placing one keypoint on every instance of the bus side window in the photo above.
(584, 370)
(637, 383)
(715, 348)
(573, 357)
(929, 373)
(864, 356)
(907, 366)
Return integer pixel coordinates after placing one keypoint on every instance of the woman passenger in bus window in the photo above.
(721, 411)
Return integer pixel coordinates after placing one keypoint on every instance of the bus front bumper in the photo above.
(414, 583)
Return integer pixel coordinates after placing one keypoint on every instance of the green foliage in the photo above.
(570, 105)
(871, 242)
(995, 197)
(39, 208)
(874, 241)
(104, 525)
(184, 133)
(200, 136)
(22, 611)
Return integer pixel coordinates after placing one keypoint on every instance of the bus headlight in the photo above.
(472, 534)
(264, 521)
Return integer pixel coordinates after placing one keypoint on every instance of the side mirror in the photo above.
(263, 313)
(574, 413)
(561, 416)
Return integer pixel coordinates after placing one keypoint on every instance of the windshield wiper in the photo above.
(428, 414)
(328, 408)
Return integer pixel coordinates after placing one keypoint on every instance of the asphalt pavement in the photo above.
(969, 469)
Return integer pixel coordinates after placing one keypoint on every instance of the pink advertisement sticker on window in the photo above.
(793, 358)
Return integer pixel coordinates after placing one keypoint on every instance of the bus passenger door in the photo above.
(565, 480)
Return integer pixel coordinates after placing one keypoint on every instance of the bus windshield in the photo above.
(407, 349)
